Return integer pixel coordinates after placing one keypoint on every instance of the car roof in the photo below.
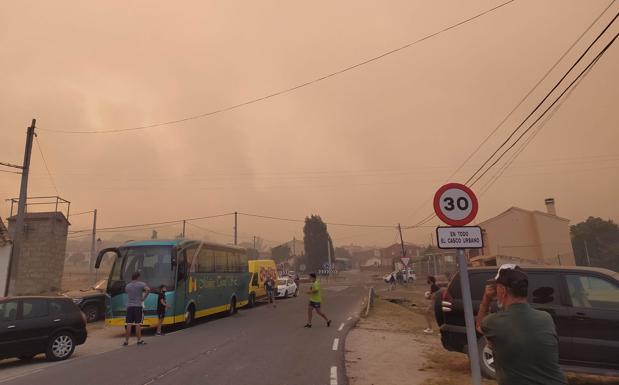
(176, 242)
(584, 269)
(49, 297)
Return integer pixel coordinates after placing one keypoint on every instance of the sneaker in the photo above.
(125, 343)
(428, 331)
(307, 326)
(141, 342)
(328, 323)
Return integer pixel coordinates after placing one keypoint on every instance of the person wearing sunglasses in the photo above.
(524, 340)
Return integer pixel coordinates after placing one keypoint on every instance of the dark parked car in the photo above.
(583, 302)
(33, 325)
(91, 301)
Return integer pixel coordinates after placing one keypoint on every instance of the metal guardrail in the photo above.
(371, 295)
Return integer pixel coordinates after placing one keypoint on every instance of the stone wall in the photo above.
(40, 264)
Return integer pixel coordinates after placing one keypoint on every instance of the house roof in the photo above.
(530, 212)
(4, 234)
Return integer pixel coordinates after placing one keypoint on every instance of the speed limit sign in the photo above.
(455, 204)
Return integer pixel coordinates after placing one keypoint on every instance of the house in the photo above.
(6, 246)
(526, 237)
(391, 255)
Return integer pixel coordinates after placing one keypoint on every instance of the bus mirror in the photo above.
(105, 251)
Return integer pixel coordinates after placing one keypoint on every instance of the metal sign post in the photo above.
(456, 205)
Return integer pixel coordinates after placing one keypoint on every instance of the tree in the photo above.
(599, 239)
(317, 242)
(281, 253)
(153, 234)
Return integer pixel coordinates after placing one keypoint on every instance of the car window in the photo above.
(477, 281)
(8, 311)
(592, 292)
(544, 288)
(34, 308)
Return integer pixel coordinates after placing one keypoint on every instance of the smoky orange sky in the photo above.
(369, 146)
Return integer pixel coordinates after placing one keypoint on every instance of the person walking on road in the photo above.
(315, 301)
(430, 296)
(162, 305)
(523, 340)
(136, 294)
(269, 285)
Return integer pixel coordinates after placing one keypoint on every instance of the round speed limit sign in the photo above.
(455, 204)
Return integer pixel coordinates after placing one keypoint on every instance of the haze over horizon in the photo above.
(369, 146)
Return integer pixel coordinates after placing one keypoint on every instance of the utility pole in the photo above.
(93, 240)
(184, 223)
(401, 241)
(294, 241)
(254, 242)
(21, 211)
(236, 224)
(587, 254)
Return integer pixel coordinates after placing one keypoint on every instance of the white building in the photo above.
(5, 254)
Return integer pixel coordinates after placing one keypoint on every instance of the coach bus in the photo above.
(201, 278)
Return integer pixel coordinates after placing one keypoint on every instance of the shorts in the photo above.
(135, 315)
(315, 305)
(161, 314)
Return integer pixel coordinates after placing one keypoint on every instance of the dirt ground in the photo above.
(389, 347)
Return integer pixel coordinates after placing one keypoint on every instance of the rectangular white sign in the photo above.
(467, 237)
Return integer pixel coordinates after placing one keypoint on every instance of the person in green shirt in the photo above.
(523, 340)
(314, 303)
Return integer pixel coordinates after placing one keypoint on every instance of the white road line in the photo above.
(334, 375)
(340, 328)
(336, 343)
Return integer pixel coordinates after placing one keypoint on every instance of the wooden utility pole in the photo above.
(401, 241)
(184, 223)
(93, 240)
(18, 232)
(236, 224)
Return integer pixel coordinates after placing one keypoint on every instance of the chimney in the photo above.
(550, 206)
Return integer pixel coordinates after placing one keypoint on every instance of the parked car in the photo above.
(286, 287)
(583, 302)
(34, 325)
(91, 301)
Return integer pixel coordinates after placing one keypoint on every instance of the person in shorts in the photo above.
(429, 314)
(136, 293)
(162, 305)
(315, 301)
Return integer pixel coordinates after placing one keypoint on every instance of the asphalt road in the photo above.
(265, 345)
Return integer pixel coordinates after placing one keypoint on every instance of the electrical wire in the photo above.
(327, 223)
(590, 65)
(485, 140)
(11, 172)
(287, 90)
(51, 178)
(538, 106)
(157, 223)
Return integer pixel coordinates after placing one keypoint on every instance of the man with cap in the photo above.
(524, 340)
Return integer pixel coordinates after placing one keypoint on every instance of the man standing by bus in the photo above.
(315, 301)
(136, 294)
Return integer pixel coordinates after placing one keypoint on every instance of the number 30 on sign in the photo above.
(455, 204)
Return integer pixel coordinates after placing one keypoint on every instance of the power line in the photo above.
(431, 216)
(327, 223)
(538, 106)
(51, 178)
(593, 62)
(11, 172)
(291, 89)
(156, 223)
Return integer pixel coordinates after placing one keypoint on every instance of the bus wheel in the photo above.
(252, 300)
(190, 316)
(232, 306)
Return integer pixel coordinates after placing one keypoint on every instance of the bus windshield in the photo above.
(153, 262)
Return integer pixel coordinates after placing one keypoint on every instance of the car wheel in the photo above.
(232, 306)
(438, 308)
(252, 300)
(296, 292)
(27, 358)
(60, 347)
(190, 316)
(92, 313)
(486, 359)
(286, 294)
